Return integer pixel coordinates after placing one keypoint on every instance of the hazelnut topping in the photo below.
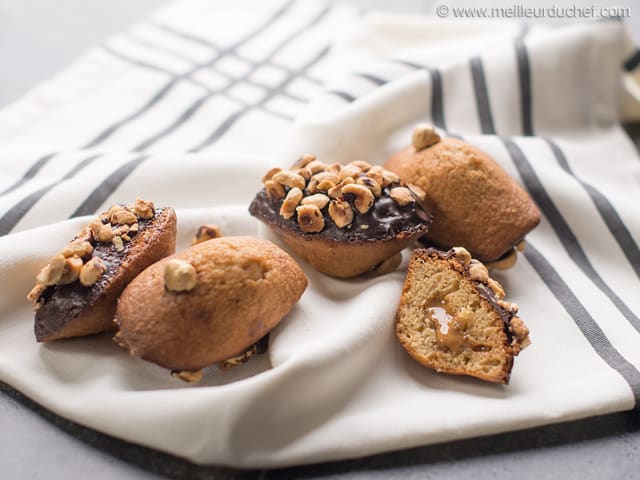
(341, 213)
(402, 196)
(92, 271)
(179, 276)
(291, 201)
(424, 136)
(310, 218)
(51, 274)
(144, 209)
(72, 267)
(364, 199)
(206, 232)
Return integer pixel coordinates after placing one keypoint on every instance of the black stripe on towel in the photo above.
(100, 194)
(372, 78)
(207, 43)
(11, 218)
(30, 173)
(200, 84)
(110, 130)
(437, 100)
(159, 95)
(607, 211)
(566, 236)
(96, 198)
(344, 95)
(524, 75)
(149, 66)
(226, 124)
(632, 61)
(195, 106)
(164, 49)
(583, 319)
(482, 96)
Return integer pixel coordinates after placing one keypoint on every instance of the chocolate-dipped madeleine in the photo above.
(76, 293)
(344, 220)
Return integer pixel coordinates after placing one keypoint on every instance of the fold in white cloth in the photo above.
(191, 107)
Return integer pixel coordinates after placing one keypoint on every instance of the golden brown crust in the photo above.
(244, 287)
(451, 323)
(474, 202)
(75, 310)
(343, 259)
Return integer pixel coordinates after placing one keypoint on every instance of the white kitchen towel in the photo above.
(190, 108)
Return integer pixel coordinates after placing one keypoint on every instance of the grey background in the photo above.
(38, 39)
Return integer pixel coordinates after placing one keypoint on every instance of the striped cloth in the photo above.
(192, 106)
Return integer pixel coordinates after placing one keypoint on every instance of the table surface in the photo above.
(38, 39)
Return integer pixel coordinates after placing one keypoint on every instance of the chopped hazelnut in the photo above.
(79, 248)
(319, 200)
(304, 160)
(497, 288)
(189, 376)
(92, 271)
(509, 306)
(334, 168)
(349, 171)
(316, 167)
(72, 267)
(363, 198)
(390, 177)
(463, 255)
(418, 192)
(291, 201)
(118, 243)
(424, 135)
(121, 230)
(51, 274)
(102, 232)
(362, 165)
(336, 192)
(370, 183)
(123, 217)
(377, 173)
(310, 218)
(133, 228)
(144, 209)
(325, 180)
(179, 276)
(274, 190)
(36, 292)
(206, 232)
(85, 235)
(269, 175)
(289, 179)
(402, 196)
(478, 272)
(304, 173)
(520, 332)
(341, 213)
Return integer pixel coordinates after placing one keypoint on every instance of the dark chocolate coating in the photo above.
(61, 303)
(384, 220)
